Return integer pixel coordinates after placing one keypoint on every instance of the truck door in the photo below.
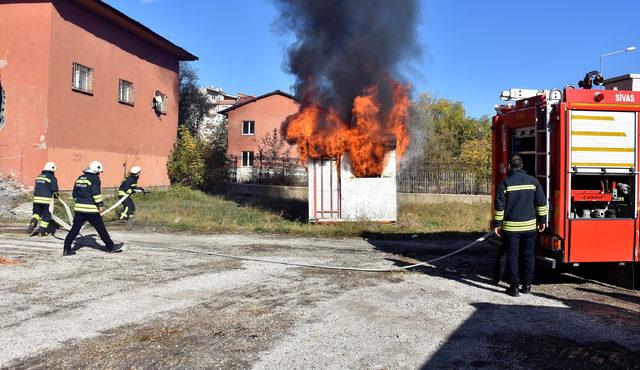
(602, 185)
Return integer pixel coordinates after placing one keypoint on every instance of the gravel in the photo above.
(159, 306)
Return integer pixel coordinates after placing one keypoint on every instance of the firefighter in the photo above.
(88, 207)
(520, 208)
(129, 186)
(46, 187)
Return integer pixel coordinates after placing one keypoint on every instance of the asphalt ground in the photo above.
(166, 303)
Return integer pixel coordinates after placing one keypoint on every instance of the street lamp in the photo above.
(630, 48)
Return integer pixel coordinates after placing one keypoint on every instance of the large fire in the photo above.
(319, 132)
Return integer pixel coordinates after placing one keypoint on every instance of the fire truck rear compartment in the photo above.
(601, 196)
(523, 143)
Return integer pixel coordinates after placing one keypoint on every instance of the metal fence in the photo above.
(267, 170)
(444, 179)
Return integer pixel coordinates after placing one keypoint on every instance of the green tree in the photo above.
(449, 135)
(186, 164)
(217, 165)
(193, 105)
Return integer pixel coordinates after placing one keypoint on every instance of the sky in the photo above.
(472, 49)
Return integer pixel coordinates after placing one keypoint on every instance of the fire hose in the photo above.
(67, 226)
(263, 260)
(325, 267)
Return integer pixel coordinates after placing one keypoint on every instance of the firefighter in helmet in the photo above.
(46, 187)
(520, 207)
(88, 207)
(128, 187)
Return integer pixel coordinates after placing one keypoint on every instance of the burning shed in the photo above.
(351, 126)
(337, 194)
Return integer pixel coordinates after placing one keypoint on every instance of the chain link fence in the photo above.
(444, 178)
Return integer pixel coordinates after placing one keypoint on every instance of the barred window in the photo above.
(160, 102)
(126, 92)
(247, 159)
(82, 78)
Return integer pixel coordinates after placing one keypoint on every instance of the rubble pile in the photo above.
(11, 194)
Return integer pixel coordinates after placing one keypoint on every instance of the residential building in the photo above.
(250, 119)
(220, 101)
(81, 81)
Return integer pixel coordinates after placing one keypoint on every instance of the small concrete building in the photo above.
(81, 81)
(337, 194)
(250, 119)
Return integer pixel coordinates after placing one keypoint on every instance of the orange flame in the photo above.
(371, 134)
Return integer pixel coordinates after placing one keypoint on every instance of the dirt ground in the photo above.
(165, 303)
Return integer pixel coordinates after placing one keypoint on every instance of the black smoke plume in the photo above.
(344, 46)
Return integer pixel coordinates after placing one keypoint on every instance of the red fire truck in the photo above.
(582, 145)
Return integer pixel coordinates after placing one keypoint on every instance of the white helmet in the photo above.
(95, 167)
(50, 166)
(135, 170)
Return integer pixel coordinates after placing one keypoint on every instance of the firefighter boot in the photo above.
(68, 252)
(526, 289)
(32, 225)
(513, 291)
(117, 248)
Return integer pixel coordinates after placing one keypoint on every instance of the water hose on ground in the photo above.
(262, 260)
(326, 267)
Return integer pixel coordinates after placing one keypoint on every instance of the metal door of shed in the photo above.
(324, 183)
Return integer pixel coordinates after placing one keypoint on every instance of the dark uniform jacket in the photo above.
(46, 186)
(128, 186)
(519, 200)
(87, 194)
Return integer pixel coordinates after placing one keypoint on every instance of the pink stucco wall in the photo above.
(268, 113)
(42, 41)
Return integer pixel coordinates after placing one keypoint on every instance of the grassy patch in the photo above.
(183, 209)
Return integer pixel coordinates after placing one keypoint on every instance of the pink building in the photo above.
(250, 119)
(81, 81)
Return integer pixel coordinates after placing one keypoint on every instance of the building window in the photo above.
(82, 78)
(160, 102)
(247, 159)
(248, 127)
(126, 92)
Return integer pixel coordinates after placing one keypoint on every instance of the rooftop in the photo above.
(244, 100)
(117, 17)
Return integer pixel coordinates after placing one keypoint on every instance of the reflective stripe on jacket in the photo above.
(519, 203)
(128, 186)
(46, 185)
(86, 193)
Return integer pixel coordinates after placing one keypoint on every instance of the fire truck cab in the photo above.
(582, 145)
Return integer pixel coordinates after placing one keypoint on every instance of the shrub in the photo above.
(186, 163)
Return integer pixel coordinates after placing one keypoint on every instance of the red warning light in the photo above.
(598, 97)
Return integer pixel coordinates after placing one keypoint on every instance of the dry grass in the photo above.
(183, 209)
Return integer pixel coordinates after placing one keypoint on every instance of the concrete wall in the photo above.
(268, 191)
(25, 32)
(368, 198)
(421, 198)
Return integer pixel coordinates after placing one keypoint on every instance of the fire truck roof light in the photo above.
(598, 97)
(514, 94)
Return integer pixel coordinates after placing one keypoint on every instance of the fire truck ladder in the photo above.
(543, 141)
